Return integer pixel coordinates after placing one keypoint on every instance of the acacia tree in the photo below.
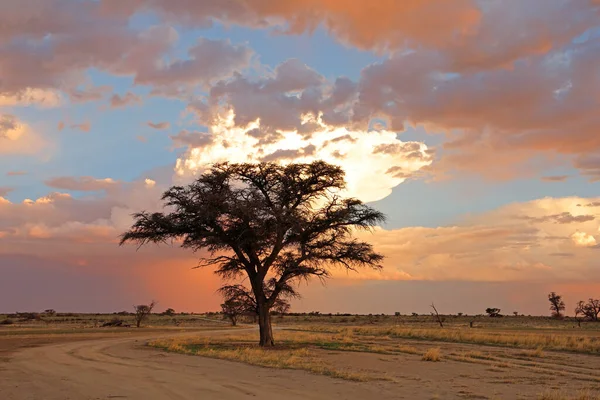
(232, 309)
(493, 312)
(274, 224)
(590, 310)
(557, 305)
(142, 311)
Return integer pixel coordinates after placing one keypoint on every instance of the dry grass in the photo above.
(561, 395)
(538, 353)
(240, 349)
(433, 354)
(529, 340)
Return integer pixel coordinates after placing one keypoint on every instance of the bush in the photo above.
(6, 321)
(432, 354)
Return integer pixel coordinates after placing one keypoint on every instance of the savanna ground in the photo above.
(317, 356)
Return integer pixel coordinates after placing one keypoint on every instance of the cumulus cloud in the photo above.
(583, 239)
(41, 57)
(17, 137)
(368, 173)
(81, 183)
(187, 138)
(494, 246)
(209, 60)
(117, 101)
(40, 97)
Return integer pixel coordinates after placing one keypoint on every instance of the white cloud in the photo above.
(375, 162)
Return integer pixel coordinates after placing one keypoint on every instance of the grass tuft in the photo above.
(433, 354)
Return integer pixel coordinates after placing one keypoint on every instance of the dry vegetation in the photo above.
(538, 357)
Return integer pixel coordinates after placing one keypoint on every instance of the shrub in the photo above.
(6, 321)
(433, 354)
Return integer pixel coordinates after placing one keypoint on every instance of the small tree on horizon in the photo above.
(590, 310)
(557, 305)
(276, 225)
(142, 311)
(493, 312)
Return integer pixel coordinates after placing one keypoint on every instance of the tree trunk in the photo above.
(264, 324)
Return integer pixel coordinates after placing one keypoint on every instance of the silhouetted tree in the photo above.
(590, 310)
(275, 224)
(169, 312)
(281, 307)
(142, 311)
(493, 312)
(232, 309)
(557, 305)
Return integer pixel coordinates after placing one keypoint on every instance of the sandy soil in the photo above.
(123, 368)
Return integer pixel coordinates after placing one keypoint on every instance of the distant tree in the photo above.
(282, 307)
(516, 313)
(437, 316)
(459, 314)
(397, 313)
(276, 225)
(142, 311)
(493, 312)
(50, 312)
(557, 305)
(589, 310)
(414, 314)
(233, 309)
(169, 312)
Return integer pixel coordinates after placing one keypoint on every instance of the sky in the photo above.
(472, 124)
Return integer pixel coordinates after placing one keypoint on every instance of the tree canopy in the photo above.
(274, 224)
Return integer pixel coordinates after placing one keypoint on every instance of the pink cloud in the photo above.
(159, 125)
(117, 101)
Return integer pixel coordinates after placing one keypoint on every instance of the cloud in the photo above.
(159, 125)
(494, 246)
(589, 164)
(562, 218)
(40, 97)
(81, 183)
(55, 55)
(368, 174)
(476, 110)
(473, 35)
(4, 190)
(83, 127)
(8, 126)
(209, 60)
(16, 173)
(192, 139)
(127, 99)
(17, 137)
(555, 178)
(583, 239)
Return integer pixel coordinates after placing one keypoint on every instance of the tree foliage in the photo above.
(142, 311)
(275, 225)
(589, 310)
(493, 312)
(557, 305)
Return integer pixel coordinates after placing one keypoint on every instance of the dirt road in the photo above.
(125, 369)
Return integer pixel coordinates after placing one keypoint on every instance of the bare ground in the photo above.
(124, 368)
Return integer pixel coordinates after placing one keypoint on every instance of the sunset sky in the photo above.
(474, 125)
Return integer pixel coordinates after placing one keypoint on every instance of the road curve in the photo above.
(124, 368)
